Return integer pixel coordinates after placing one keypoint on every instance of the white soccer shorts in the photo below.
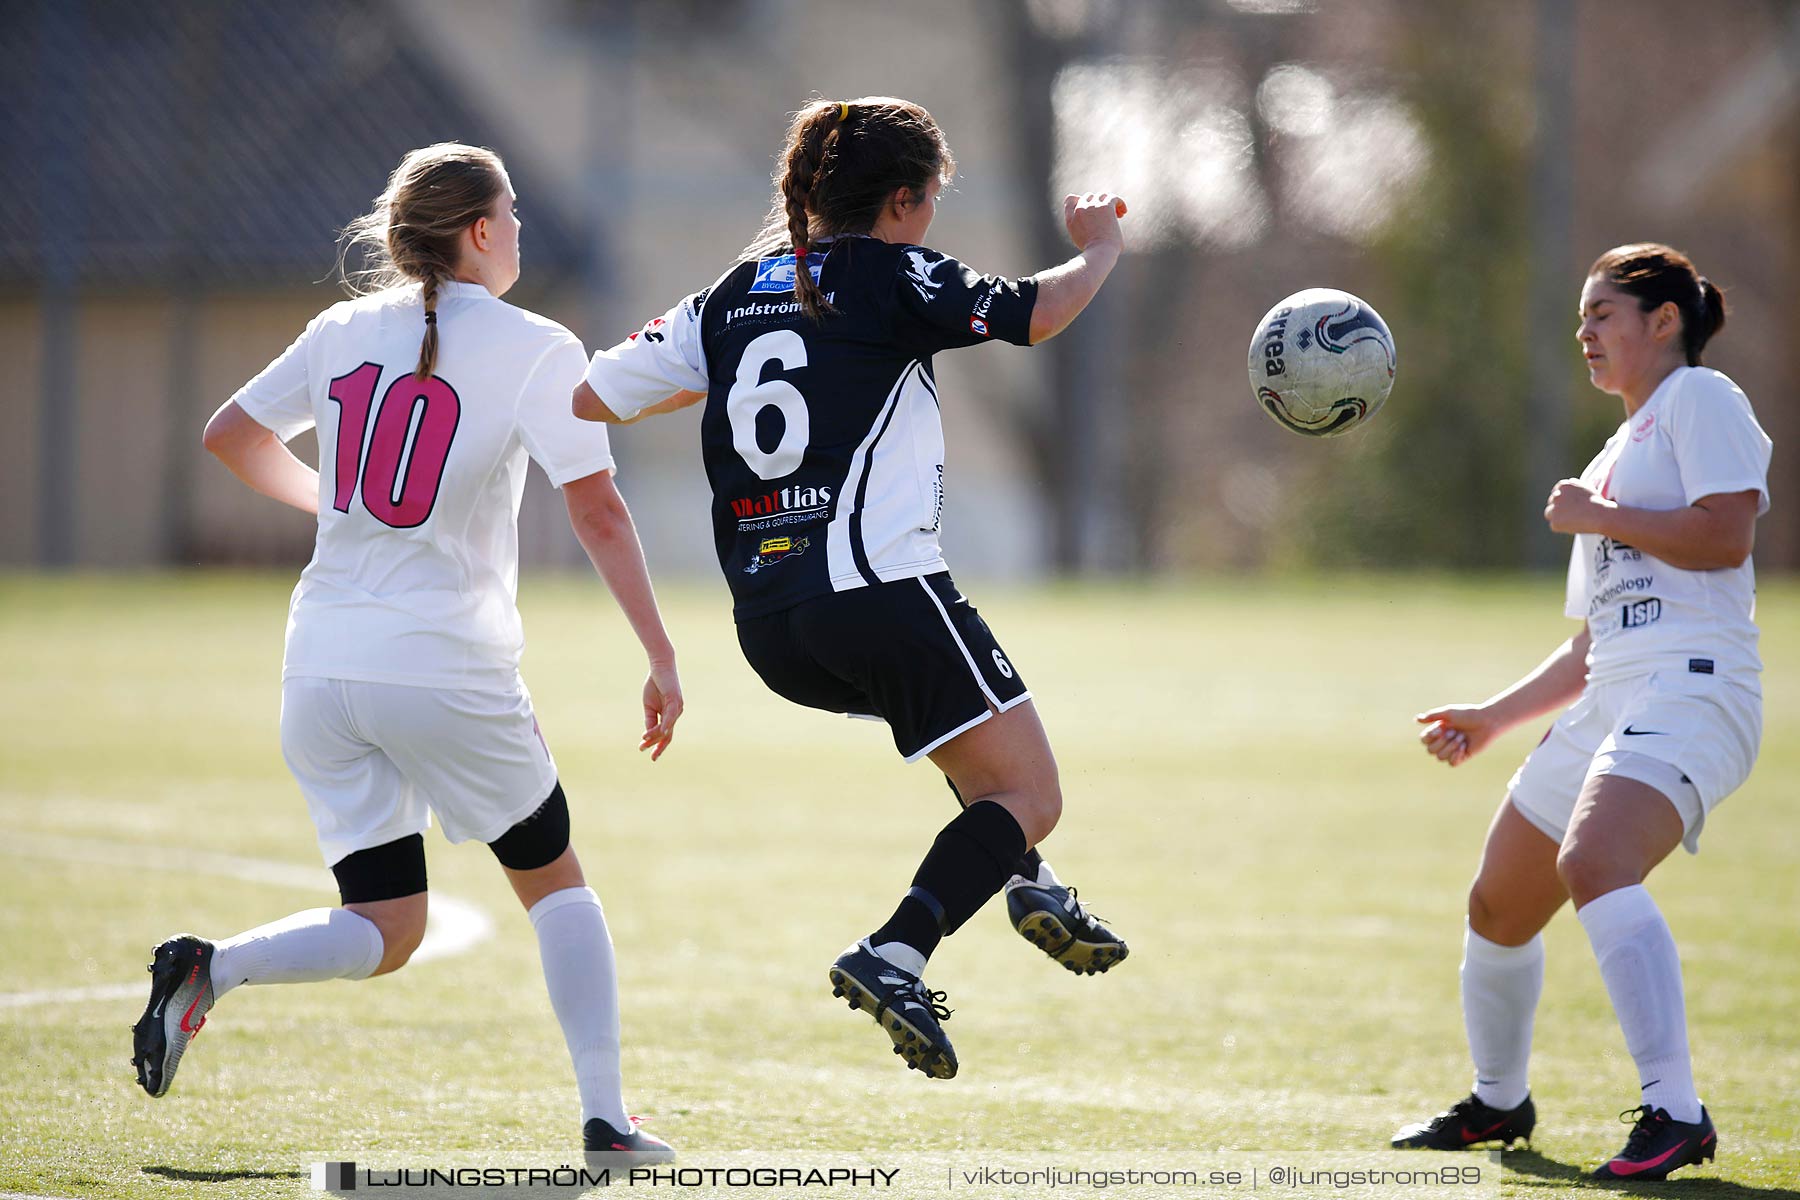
(376, 760)
(1693, 737)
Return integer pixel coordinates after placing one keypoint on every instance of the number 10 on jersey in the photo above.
(414, 427)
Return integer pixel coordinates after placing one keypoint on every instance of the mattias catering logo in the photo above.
(775, 550)
(788, 506)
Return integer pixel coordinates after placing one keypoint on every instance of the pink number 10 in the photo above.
(413, 431)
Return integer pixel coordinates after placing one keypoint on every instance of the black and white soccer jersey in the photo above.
(822, 439)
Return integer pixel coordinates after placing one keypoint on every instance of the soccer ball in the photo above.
(1321, 362)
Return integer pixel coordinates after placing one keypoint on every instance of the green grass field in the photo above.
(1245, 802)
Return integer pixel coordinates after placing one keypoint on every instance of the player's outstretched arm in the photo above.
(1093, 224)
(1455, 732)
(604, 527)
(259, 458)
(587, 404)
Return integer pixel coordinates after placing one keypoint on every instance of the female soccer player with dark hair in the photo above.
(823, 446)
(1665, 720)
(401, 695)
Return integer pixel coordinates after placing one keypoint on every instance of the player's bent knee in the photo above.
(1587, 874)
(539, 839)
(1481, 913)
(1049, 807)
(401, 924)
(1036, 811)
(398, 942)
(1489, 920)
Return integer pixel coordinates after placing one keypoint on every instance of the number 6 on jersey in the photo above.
(748, 398)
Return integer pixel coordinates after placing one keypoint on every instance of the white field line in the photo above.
(452, 927)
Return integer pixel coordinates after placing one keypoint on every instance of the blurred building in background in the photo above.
(180, 171)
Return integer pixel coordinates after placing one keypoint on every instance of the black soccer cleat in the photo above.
(901, 1004)
(1051, 917)
(1659, 1144)
(1469, 1122)
(181, 994)
(605, 1146)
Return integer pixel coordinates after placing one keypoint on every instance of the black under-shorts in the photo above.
(913, 652)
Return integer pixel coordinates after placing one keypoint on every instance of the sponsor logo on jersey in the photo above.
(1623, 587)
(977, 325)
(1644, 428)
(775, 550)
(1607, 551)
(653, 332)
(1639, 613)
(769, 310)
(796, 500)
(777, 274)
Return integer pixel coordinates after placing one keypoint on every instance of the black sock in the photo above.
(972, 858)
(1028, 863)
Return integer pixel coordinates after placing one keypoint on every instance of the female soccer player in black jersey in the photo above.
(823, 446)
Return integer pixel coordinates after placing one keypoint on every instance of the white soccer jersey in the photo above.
(1696, 436)
(416, 568)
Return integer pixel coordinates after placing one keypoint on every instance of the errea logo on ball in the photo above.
(1273, 347)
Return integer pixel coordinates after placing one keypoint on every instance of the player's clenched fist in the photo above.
(1093, 220)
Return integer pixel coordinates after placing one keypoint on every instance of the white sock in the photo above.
(577, 953)
(1500, 989)
(320, 943)
(1642, 970)
(906, 957)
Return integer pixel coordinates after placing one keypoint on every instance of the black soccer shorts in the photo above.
(913, 653)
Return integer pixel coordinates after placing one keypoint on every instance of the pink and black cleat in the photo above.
(181, 994)
(608, 1147)
(1659, 1144)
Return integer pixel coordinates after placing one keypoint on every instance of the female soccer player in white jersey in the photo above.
(822, 443)
(401, 694)
(1665, 721)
